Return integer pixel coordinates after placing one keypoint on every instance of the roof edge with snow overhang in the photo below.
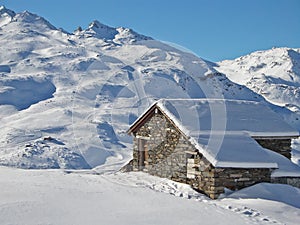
(213, 159)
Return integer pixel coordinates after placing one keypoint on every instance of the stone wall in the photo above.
(204, 175)
(212, 181)
(281, 146)
(171, 155)
(166, 149)
(294, 181)
(238, 178)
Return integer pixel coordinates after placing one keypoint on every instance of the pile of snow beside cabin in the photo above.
(78, 197)
(66, 100)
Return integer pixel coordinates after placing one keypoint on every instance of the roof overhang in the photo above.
(142, 119)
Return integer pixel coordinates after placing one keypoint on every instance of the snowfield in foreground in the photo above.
(88, 197)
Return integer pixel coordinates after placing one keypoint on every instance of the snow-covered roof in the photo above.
(286, 168)
(236, 151)
(222, 130)
(205, 116)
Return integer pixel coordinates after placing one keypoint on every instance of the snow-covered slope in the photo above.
(274, 74)
(6, 15)
(66, 100)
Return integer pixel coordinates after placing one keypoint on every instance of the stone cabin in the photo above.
(213, 144)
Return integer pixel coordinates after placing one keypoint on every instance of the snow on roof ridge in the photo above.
(210, 100)
(247, 165)
(186, 132)
(213, 159)
(287, 132)
(191, 135)
(211, 143)
(140, 116)
(250, 133)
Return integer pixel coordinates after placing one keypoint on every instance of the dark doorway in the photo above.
(142, 153)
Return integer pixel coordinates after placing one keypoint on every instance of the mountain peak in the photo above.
(98, 25)
(101, 30)
(6, 15)
(273, 73)
(4, 10)
(28, 17)
(118, 35)
(130, 35)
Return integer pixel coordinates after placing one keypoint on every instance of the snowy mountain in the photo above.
(274, 74)
(67, 99)
(119, 35)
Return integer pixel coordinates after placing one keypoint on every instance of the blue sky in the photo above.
(213, 29)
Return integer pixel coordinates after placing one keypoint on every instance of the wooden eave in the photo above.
(147, 115)
(275, 137)
(142, 120)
